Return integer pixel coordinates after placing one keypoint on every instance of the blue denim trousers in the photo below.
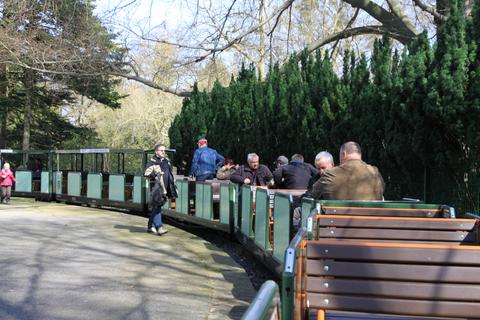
(155, 218)
(203, 177)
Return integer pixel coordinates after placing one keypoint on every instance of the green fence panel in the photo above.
(262, 218)
(139, 189)
(307, 205)
(45, 182)
(116, 187)
(234, 197)
(246, 213)
(225, 203)
(94, 185)
(58, 182)
(282, 216)
(24, 181)
(182, 200)
(207, 202)
(74, 184)
(199, 199)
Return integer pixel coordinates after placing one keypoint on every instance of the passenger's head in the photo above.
(281, 161)
(253, 160)
(160, 150)
(228, 162)
(350, 151)
(297, 157)
(6, 165)
(202, 142)
(324, 161)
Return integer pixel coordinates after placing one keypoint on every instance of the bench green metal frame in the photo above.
(246, 211)
(266, 305)
(94, 185)
(204, 201)
(290, 269)
(139, 188)
(262, 219)
(24, 181)
(282, 226)
(74, 184)
(116, 187)
(45, 182)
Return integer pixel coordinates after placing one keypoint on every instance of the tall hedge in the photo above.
(416, 113)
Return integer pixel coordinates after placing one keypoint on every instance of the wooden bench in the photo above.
(386, 208)
(397, 279)
(398, 229)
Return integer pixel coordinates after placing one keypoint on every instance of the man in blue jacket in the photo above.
(205, 161)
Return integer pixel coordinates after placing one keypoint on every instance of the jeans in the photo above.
(155, 218)
(6, 193)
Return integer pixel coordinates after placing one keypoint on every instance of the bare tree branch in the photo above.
(349, 33)
(389, 21)
(397, 10)
(430, 10)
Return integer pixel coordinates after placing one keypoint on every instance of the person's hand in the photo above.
(247, 181)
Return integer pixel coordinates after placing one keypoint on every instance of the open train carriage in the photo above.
(101, 177)
(33, 171)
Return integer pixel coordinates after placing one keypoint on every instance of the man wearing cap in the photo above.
(205, 161)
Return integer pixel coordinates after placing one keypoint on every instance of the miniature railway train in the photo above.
(314, 265)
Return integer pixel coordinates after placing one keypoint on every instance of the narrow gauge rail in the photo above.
(260, 219)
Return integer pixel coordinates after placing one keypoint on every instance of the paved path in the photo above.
(72, 262)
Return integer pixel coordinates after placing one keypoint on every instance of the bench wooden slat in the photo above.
(396, 222)
(389, 271)
(395, 306)
(401, 253)
(423, 290)
(343, 315)
(400, 212)
(398, 234)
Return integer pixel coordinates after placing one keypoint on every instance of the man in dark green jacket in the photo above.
(353, 179)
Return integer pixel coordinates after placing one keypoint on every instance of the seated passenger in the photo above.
(323, 162)
(353, 179)
(295, 175)
(281, 161)
(226, 171)
(253, 173)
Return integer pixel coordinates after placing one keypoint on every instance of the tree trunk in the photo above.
(442, 8)
(29, 83)
(262, 43)
(4, 92)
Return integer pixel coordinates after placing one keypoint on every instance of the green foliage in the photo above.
(416, 114)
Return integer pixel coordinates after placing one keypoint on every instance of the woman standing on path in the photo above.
(6, 180)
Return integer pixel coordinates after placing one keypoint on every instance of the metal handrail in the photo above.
(266, 304)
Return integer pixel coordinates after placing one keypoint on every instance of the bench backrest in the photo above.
(405, 229)
(392, 278)
(386, 208)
